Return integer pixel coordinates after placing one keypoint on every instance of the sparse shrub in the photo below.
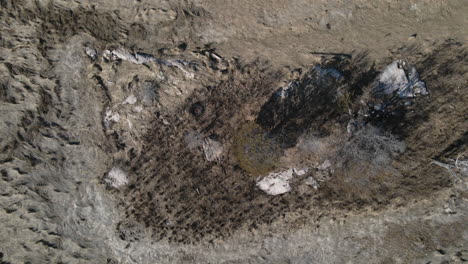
(312, 144)
(363, 169)
(373, 145)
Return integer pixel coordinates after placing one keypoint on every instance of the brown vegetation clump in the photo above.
(256, 153)
(180, 195)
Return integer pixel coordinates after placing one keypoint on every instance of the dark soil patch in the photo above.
(183, 198)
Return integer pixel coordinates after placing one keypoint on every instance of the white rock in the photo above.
(393, 78)
(276, 183)
(325, 165)
(180, 65)
(300, 172)
(91, 53)
(130, 100)
(140, 58)
(406, 84)
(137, 59)
(312, 182)
(107, 54)
(212, 148)
(116, 178)
(111, 117)
(138, 109)
(144, 58)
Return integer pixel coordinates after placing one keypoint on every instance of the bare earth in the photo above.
(137, 132)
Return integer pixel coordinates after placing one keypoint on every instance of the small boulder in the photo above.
(116, 178)
(213, 149)
(276, 183)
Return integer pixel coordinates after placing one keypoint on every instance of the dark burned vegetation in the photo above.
(182, 197)
(428, 127)
(177, 192)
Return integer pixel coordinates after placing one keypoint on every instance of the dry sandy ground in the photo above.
(68, 117)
